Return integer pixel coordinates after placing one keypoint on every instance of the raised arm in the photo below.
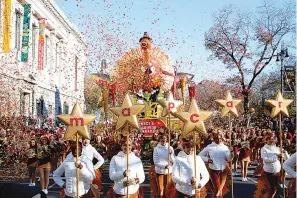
(289, 164)
(99, 158)
(203, 154)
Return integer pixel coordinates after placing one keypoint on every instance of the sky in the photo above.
(112, 27)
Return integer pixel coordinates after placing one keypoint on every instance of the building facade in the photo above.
(42, 61)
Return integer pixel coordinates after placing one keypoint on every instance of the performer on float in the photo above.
(290, 168)
(69, 168)
(219, 155)
(140, 97)
(271, 155)
(183, 172)
(163, 167)
(44, 162)
(118, 172)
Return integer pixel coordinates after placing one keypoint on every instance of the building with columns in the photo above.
(42, 61)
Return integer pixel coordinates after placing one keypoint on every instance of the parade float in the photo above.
(148, 74)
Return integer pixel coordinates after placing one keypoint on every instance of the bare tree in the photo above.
(247, 41)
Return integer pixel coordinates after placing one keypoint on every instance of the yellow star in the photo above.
(229, 105)
(194, 119)
(170, 105)
(77, 122)
(279, 105)
(127, 113)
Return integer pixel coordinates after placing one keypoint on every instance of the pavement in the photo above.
(241, 189)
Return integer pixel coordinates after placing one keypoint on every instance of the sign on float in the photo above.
(149, 126)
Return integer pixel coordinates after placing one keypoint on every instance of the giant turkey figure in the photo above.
(143, 68)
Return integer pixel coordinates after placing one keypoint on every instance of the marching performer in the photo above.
(119, 174)
(91, 153)
(271, 155)
(219, 155)
(44, 162)
(69, 168)
(163, 166)
(32, 161)
(290, 167)
(153, 178)
(183, 173)
(244, 157)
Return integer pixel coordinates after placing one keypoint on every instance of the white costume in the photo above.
(118, 166)
(90, 152)
(219, 153)
(160, 157)
(271, 162)
(86, 175)
(183, 171)
(289, 165)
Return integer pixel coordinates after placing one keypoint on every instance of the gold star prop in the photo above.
(194, 119)
(279, 105)
(77, 122)
(127, 113)
(228, 105)
(170, 105)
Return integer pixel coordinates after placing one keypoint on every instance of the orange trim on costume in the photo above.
(47, 165)
(153, 181)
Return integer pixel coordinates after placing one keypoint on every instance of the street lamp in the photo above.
(280, 57)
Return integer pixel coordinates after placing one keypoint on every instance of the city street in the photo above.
(152, 81)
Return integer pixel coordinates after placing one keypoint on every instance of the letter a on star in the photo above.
(77, 122)
(127, 113)
(228, 105)
(279, 105)
(194, 119)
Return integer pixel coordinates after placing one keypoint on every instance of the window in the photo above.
(17, 30)
(22, 107)
(75, 73)
(50, 109)
(65, 108)
(46, 49)
(25, 103)
(57, 56)
(33, 41)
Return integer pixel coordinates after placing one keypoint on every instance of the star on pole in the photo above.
(228, 105)
(127, 113)
(194, 119)
(77, 122)
(279, 105)
(170, 105)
